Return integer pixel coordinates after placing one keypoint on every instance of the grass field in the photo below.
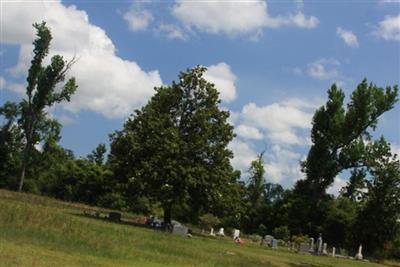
(39, 231)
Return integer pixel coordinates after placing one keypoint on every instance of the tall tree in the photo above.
(97, 155)
(174, 149)
(339, 134)
(41, 91)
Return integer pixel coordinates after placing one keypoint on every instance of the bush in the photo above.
(281, 232)
(208, 220)
(255, 238)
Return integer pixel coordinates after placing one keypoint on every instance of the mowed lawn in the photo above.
(39, 231)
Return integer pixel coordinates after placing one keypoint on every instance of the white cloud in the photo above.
(338, 184)
(395, 148)
(248, 132)
(282, 165)
(389, 28)
(224, 79)
(138, 19)
(238, 17)
(173, 31)
(323, 69)
(347, 36)
(244, 154)
(107, 83)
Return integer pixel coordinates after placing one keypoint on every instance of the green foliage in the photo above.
(97, 155)
(174, 149)
(281, 232)
(208, 220)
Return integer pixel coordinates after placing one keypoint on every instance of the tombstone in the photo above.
(319, 244)
(359, 255)
(304, 248)
(311, 249)
(221, 232)
(212, 232)
(333, 251)
(268, 240)
(274, 243)
(179, 229)
(293, 246)
(236, 234)
(324, 252)
(114, 216)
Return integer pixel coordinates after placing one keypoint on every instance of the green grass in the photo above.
(39, 231)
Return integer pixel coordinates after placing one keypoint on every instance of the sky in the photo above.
(272, 62)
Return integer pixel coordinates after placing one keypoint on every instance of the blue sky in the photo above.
(272, 62)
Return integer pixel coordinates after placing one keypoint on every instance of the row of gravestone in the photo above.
(321, 248)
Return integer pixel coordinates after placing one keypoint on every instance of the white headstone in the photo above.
(212, 232)
(333, 251)
(324, 252)
(236, 234)
(359, 255)
(311, 250)
(221, 232)
(319, 243)
(179, 230)
(274, 243)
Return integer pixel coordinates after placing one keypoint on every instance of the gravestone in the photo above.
(212, 232)
(114, 216)
(333, 251)
(268, 240)
(359, 255)
(304, 248)
(324, 252)
(179, 229)
(311, 247)
(236, 234)
(274, 243)
(221, 232)
(319, 244)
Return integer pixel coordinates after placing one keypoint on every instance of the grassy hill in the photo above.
(39, 231)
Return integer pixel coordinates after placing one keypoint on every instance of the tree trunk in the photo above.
(167, 214)
(23, 167)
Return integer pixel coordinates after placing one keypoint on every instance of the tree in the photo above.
(338, 135)
(377, 225)
(174, 150)
(41, 91)
(97, 155)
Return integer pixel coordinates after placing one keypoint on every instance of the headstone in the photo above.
(268, 240)
(274, 243)
(304, 248)
(293, 246)
(212, 232)
(333, 251)
(324, 252)
(319, 244)
(311, 247)
(114, 216)
(236, 234)
(359, 255)
(221, 232)
(179, 229)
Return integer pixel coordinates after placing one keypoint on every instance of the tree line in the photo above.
(172, 157)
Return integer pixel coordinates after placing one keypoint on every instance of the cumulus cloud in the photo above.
(108, 84)
(337, 185)
(248, 132)
(172, 31)
(243, 17)
(389, 28)
(323, 69)
(138, 19)
(224, 79)
(347, 36)
(244, 154)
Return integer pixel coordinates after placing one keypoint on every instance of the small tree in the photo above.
(41, 91)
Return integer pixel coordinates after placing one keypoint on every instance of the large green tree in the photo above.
(174, 150)
(41, 92)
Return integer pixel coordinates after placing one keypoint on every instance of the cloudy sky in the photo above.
(271, 61)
